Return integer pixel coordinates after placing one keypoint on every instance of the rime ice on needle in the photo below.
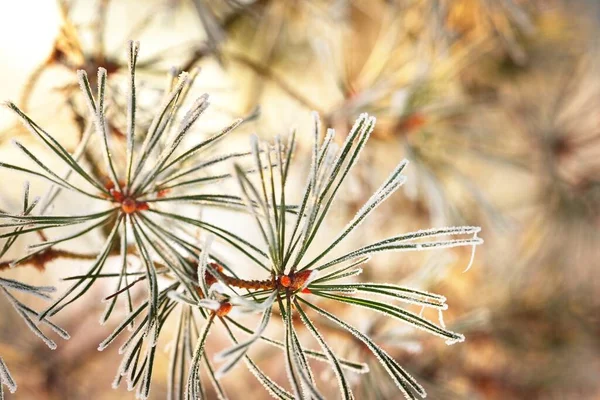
(6, 379)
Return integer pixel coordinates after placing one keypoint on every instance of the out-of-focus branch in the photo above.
(267, 73)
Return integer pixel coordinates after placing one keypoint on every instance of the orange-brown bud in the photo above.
(162, 193)
(299, 279)
(224, 309)
(117, 196)
(109, 185)
(129, 206)
(285, 281)
(295, 281)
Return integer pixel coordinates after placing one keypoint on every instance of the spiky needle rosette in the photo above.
(294, 280)
(155, 174)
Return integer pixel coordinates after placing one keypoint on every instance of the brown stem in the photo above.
(267, 284)
(39, 260)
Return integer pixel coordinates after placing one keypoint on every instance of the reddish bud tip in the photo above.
(224, 309)
(128, 206)
(285, 281)
(117, 196)
(300, 279)
(162, 193)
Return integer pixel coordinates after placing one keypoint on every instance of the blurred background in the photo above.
(496, 103)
